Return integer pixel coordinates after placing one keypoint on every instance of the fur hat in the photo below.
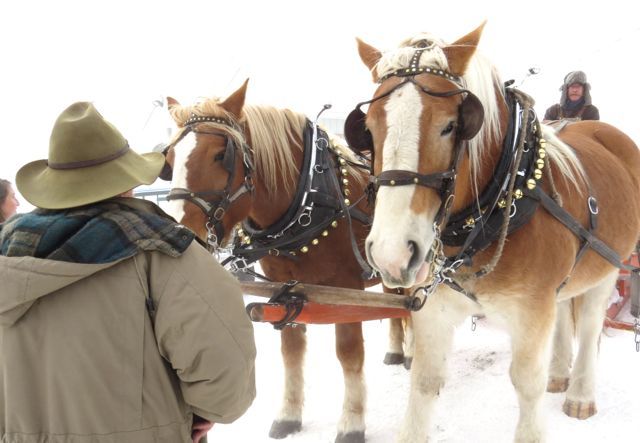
(571, 78)
(89, 160)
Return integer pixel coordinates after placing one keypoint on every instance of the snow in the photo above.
(478, 404)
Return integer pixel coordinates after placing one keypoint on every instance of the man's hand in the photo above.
(200, 428)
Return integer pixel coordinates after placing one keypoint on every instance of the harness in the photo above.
(214, 203)
(321, 199)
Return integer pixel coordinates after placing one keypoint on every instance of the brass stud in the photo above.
(347, 192)
(345, 181)
(344, 171)
(537, 174)
(247, 240)
(415, 180)
(304, 249)
(392, 182)
(342, 161)
(315, 241)
(325, 233)
(518, 194)
(543, 143)
(293, 252)
(334, 224)
(347, 201)
(470, 221)
(531, 183)
(539, 163)
(502, 203)
(542, 153)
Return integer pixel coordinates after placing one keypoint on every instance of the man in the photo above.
(115, 326)
(575, 100)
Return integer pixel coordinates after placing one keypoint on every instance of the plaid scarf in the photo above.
(102, 232)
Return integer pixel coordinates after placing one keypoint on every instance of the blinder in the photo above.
(356, 133)
(166, 173)
(470, 117)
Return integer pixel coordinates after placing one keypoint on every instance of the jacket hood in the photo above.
(27, 279)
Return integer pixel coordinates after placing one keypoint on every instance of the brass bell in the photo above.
(347, 201)
(531, 183)
(325, 233)
(543, 143)
(539, 163)
(315, 241)
(342, 161)
(345, 181)
(537, 174)
(334, 224)
(347, 192)
(344, 171)
(304, 249)
(470, 222)
(542, 153)
(502, 203)
(518, 194)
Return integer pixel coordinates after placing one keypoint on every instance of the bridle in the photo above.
(471, 113)
(214, 203)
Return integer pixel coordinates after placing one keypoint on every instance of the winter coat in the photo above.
(121, 352)
(587, 112)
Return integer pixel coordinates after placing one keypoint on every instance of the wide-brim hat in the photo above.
(89, 160)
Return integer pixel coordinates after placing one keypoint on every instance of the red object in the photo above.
(315, 313)
(624, 290)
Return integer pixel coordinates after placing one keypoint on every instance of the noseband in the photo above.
(214, 203)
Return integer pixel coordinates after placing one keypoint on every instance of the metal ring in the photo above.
(324, 144)
(219, 213)
(306, 217)
(593, 205)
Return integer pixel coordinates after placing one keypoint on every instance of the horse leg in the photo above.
(409, 343)
(293, 346)
(580, 401)
(395, 354)
(433, 327)
(562, 353)
(350, 352)
(531, 326)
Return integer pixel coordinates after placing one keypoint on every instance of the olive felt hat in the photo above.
(89, 160)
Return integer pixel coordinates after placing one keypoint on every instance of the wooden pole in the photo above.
(330, 295)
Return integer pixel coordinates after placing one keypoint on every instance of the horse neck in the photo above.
(268, 207)
(469, 186)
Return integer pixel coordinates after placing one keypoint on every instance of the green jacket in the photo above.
(82, 360)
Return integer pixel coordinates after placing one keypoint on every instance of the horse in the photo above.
(483, 209)
(231, 163)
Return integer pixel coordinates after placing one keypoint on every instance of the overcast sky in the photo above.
(123, 55)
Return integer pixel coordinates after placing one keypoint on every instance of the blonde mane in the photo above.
(483, 80)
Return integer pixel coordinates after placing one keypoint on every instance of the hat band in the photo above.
(86, 163)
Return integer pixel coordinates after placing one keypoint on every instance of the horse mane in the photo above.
(483, 80)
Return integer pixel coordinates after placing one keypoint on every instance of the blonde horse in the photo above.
(525, 230)
(233, 163)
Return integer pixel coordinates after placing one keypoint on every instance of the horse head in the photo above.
(418, 123)
(209, 164)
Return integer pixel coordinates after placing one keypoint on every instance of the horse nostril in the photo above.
(414, 250)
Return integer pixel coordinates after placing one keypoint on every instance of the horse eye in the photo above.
(448, 129)
(219, 156)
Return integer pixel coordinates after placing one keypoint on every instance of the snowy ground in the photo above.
(478, 403)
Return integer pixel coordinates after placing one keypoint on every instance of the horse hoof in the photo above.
(281, 429)
(407, 362)
(393, 358)
(557, 384)
(350, 437)
(578, 409)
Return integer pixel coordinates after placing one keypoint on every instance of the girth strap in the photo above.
(574, 226)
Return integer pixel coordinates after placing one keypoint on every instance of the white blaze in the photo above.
(395, 224)
(182, 150)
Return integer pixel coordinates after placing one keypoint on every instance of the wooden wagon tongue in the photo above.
(314, 304)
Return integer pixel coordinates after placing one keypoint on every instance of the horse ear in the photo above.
(172, 102)
(370, 57)
(460, 52)
(471, 117)
(235, 102)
